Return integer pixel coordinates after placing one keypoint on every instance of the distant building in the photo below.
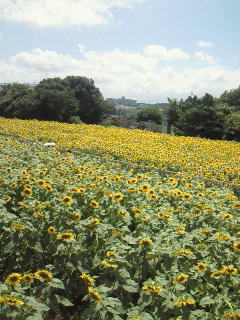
(123, 101)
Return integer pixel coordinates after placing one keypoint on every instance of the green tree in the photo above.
(108, 108)
(232, 98)
(173, 111)
(201, 121)
(232, 126)
(17, 101)
(91, 103)
(150, 114)
(55, 101)
(207, 100)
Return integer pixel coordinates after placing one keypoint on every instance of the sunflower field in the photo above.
(128, 227)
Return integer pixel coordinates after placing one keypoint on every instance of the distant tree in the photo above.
(150, 114)
(232, 126)
(17, 101)
(232, 98)
(73, 99)
(201, 121)
(108, 108)
(90, 100)
(173, 111)
(55, 100)
(207, 100)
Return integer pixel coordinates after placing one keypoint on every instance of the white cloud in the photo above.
(45, 13)
(46, 61)
(204, 57)
(122, 73)
(202, 43)
(163, 54)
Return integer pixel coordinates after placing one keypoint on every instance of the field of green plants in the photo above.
(85, 237)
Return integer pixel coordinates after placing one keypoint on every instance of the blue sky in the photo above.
(147, 50)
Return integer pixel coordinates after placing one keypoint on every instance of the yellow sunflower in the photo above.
(51, 230)
(201, 267)
(95, 295)
(88, 279)
(144, 242)
(13, 279)
(94, 204)
(67, 201)
(43, 275)
(66, 236)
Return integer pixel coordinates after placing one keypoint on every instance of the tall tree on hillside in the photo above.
(232, 98)
(201, 121)
(55, 100)
(17, 101)
(232, 126)
(90, 99)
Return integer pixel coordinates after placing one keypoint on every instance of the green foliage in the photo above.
(91, 103)
(125, 252)
(232, 126)
(206, 117)
(73, 99)
(232, 98)
(201, 121)
(55, 101)
(17, 101)
(150, 114)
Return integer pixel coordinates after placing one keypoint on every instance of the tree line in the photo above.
(207, 117)
(76, 99)
(73, 99)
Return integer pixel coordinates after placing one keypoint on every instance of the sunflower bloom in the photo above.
(152, 288)
(144, 187)
(184, 303)
(110, 253)
(88, 279)
(229, 270)
(13, 279)
(94, 204)
(109, 265)
(180, 229)
(144, 242)
(201, 267)
(27, 192)
(216, 274)
(76, 216)
(236, 246)
(182, 278)
(67, 201)
(232, 315)
(12, 301)
(18, 226)
(117, 196)
(183, 252)
(95, 295)
(41, 183)
(66, 236)
(7, 199)
(94, 221)
(187, 196)
(27, 278)
(226, 216)
(51, 230)
(222, 236)
(43, 275)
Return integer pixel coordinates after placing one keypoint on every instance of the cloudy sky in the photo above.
(147, 50)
